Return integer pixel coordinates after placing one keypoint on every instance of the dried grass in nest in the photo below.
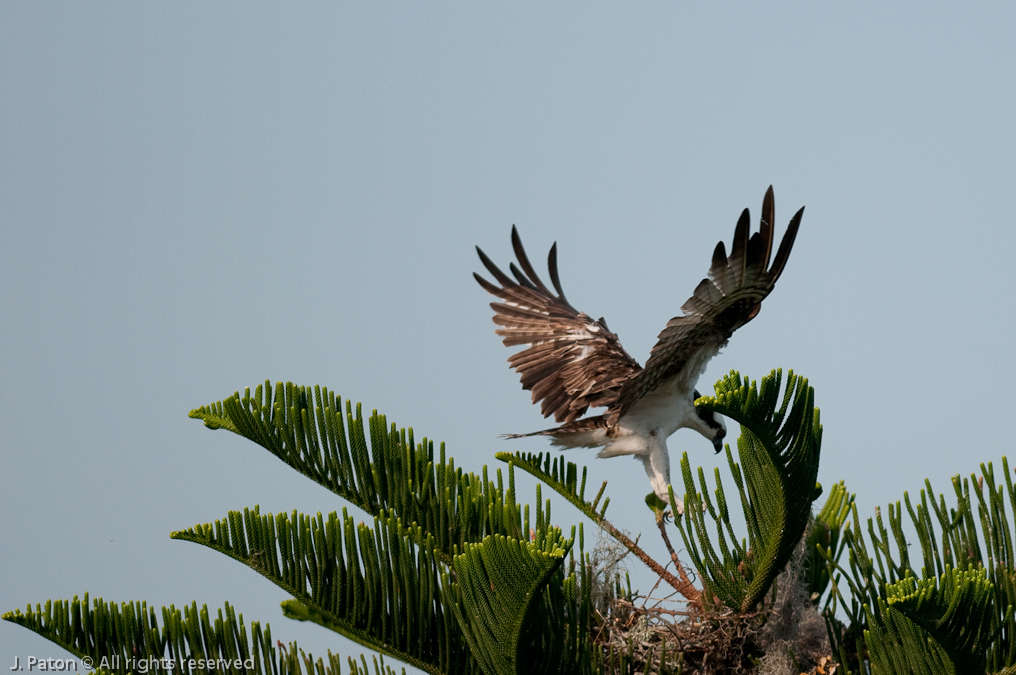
(696, 641)
(689, 641)
(787, 636)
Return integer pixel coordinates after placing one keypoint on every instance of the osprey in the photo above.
(573, 363)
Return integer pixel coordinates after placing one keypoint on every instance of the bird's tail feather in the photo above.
(545, 432)
(590, 432)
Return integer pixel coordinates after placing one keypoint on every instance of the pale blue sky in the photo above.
(197, 197)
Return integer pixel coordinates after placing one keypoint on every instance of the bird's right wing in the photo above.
(722, 303)
(573, 362)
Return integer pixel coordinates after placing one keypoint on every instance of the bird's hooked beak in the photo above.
(718, 442)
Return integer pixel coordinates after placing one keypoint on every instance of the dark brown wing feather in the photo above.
(573, 362)
(728, 299)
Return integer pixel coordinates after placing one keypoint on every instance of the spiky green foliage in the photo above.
(373, 585)
(451, 576)
(501, 605)
(399, 603)
(897, 645)
(824, 542)
(932, 625)
(306, 428)
(966, 560)
(955, 609)
(779, 453)
(562, 477)
(120, 638)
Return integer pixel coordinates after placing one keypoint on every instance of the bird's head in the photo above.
(710, 425)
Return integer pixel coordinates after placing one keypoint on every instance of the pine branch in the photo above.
(954, 609)
(127, 637)
(779, 454)
(952, 539)
(933, 625)
(503, 606)
(687, 588)
(307, 430)
(390, 479)
(374, 585)
(895, 644)
(561, 477)
(824, 544)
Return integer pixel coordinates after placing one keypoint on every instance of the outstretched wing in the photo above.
(573, 362)
(728, 299)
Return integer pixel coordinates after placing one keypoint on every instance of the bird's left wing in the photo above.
(728, 299)
(573, 362)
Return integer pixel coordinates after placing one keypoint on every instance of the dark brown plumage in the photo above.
(573, 362)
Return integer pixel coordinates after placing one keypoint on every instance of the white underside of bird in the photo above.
(643, 431)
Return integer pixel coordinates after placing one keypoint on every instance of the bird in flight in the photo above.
(573, 362)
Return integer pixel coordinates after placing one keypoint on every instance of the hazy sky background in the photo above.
(197, 197)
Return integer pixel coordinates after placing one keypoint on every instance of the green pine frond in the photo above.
(126, 637)
(898, 646)
(384, 470)
(562, 477)
(824, 543)
(933, 625)
(779, 453)
(373, 585)
(510, 612)
(953, 538)
(954, 609)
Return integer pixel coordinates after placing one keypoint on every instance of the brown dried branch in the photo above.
(688, 589)
(682, 585)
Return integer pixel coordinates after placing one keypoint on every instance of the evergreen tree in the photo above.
(455, 576)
